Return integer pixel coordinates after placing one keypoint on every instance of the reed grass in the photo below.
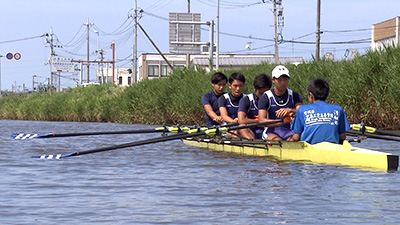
(367, 87)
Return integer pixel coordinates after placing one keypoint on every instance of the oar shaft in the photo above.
(107, 132)
(372, 130)
(384, 132)
(142, 142)
(252, 125)
(185, 134)
(376, 136)
(126, 145)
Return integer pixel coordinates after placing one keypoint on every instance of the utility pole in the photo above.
(113, 61)
(88, 24)
(0, 76)
(155, 46)
(317, 41)
(98, 49)
(278, 25)
(211, 46)
(101, 52)
(51, 56)
(188, 6)
(275, 33)
(217, 40)
(134, 69)
(33, 83)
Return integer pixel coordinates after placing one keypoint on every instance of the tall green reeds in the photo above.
(367, 87)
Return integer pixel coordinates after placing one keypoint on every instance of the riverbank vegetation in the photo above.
(367, 87)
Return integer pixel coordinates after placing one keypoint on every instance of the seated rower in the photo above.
(210, 99)
(248, 107)
(319, 121)
(228, 103)
(278, 103)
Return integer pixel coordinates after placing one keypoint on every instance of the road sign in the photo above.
(62, 64)
(9, 56)
(17, 56)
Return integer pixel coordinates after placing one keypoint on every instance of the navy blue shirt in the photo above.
(250, 109)
(211, 99)
(263, 103)
(231, 106)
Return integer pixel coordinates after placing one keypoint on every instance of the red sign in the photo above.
(9, 56)
(17, 56)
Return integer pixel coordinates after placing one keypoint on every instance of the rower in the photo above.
(320, 121)
(228, 103)
(278, 103)
(210, 99)
(248, 107)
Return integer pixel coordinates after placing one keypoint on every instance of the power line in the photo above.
(24, 39)
(229, 4)
(359, 41)
(119, 30)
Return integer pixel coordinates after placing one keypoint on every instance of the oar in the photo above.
(185, 134)
(126, 145)
(171, 129)
(376, 136)
(372, 130)
(23, 136)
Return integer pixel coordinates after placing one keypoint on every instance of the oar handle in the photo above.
(252, 125)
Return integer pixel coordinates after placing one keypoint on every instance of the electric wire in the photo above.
(23, 39)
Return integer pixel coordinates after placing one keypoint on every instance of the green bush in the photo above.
(367, 87)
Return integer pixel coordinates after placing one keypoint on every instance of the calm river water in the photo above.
(170, 183)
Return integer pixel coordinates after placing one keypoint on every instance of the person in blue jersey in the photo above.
(248, 107)
(210, 99)
(278, 103)
(319, 121)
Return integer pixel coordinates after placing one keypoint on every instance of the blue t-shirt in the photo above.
(320, 122)
(211, 99)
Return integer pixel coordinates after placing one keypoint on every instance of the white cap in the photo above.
(280, 70)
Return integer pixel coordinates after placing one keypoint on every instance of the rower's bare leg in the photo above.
(247, 133)
(290, 138)
(273, 137)
(232, 134)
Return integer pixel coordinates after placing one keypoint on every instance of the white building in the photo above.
(386, 33)
(152, 65)
(122, 76)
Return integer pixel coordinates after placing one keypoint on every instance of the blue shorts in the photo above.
(258, 132)
(282, 132)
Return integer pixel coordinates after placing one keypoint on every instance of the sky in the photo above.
(24, 22)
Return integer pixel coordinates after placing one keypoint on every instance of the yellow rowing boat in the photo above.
(321, 153)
